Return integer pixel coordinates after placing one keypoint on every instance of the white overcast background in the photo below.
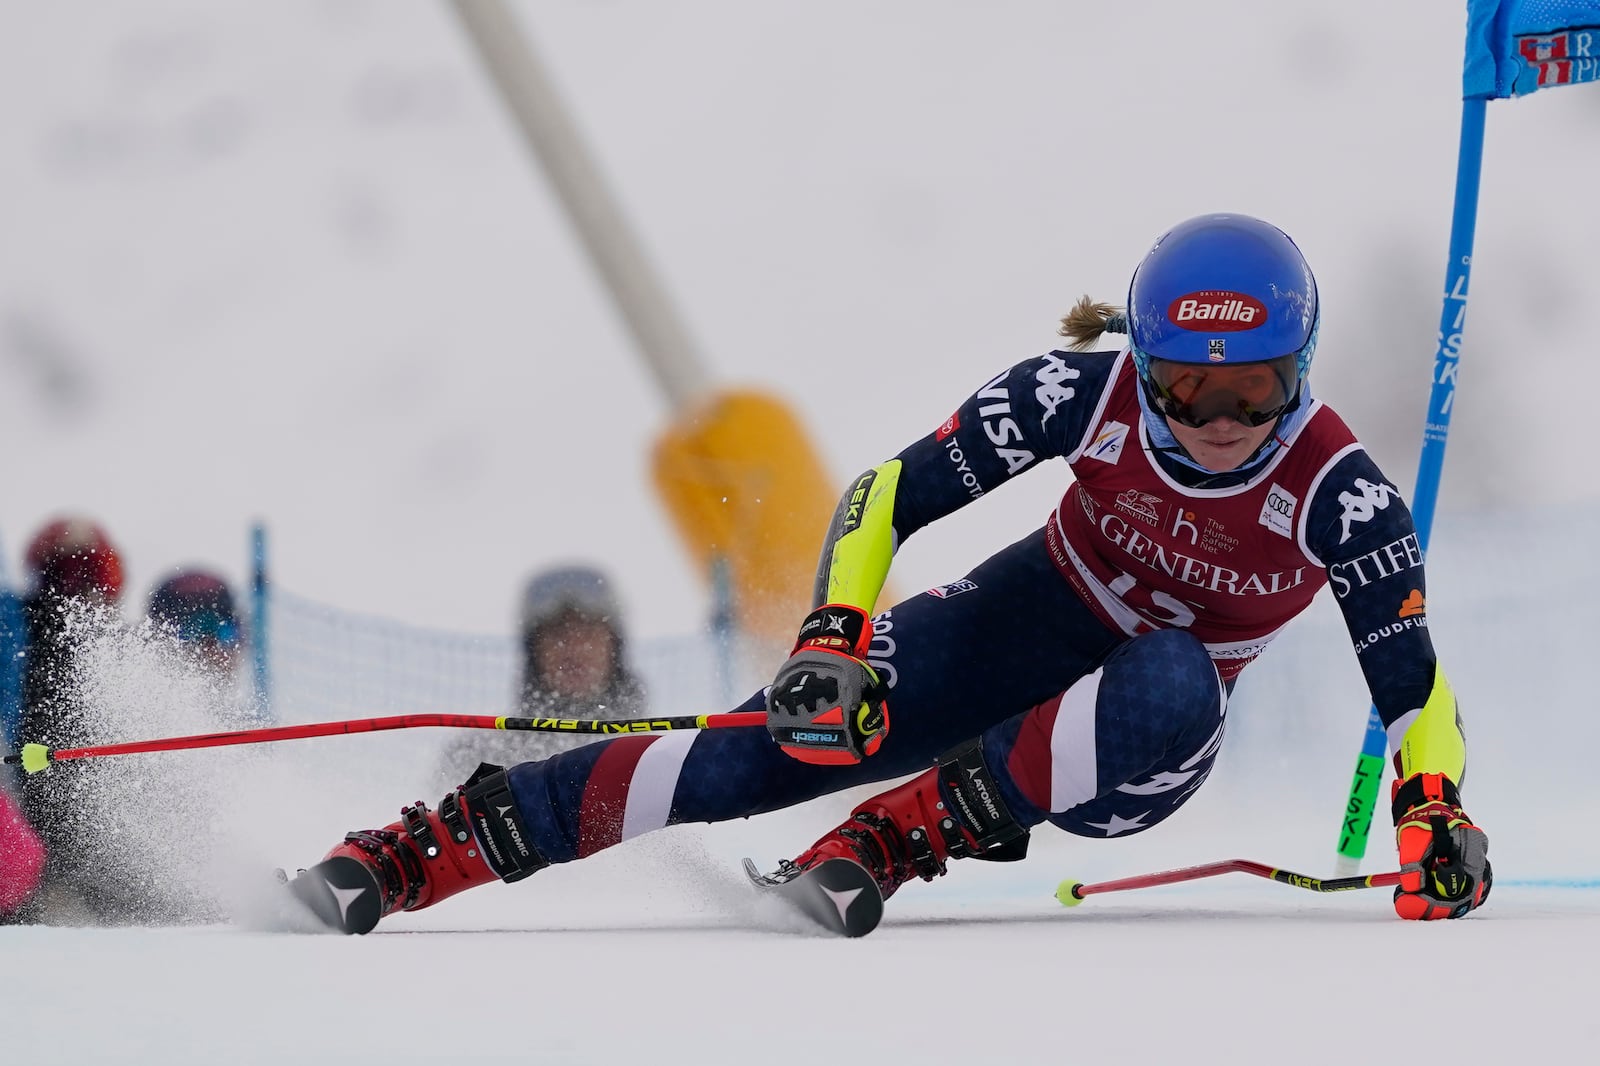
(289, 262)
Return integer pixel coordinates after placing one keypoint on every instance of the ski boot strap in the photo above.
(398, 867)
(1418, 789)
(492, 812)
(966, 784)
(922, 859)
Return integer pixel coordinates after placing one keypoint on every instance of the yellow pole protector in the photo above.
(35, 757)
(743, 483)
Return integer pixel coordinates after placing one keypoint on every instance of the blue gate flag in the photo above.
(1516, 47)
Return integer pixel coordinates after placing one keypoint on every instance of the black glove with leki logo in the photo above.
(826, 704)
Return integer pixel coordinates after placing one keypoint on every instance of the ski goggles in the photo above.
(207, 624)
(1196, 393)
(577, 590)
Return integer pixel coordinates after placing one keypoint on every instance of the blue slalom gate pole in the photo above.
(13, 647)
(1357, 825)
(1452, 319)
(260, 673)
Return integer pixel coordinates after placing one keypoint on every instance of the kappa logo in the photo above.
(1277, 513)
(1360, 509)
(1053, 390)
(834, 623)
(1107, 444)
(1413, 604)
(1140, 505)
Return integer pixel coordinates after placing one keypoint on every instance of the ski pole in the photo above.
(35, 757)
(1071, 893)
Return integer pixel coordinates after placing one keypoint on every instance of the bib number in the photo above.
(1161, 608)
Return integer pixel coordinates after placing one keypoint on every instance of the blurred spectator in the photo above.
(21, 858)
(574, 665)
(197, 608)
(21, 850)
(573, 661)
(13, 646)
(72, 571)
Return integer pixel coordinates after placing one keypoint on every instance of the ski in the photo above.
(340, 893)
(836, 894)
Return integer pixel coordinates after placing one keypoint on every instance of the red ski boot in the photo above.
(951, 811)
(475, 837)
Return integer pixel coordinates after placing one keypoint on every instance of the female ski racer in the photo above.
(1079, 676)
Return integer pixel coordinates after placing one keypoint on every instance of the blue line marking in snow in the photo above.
(991, 893)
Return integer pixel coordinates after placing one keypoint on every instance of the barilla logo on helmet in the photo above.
(1216, 311)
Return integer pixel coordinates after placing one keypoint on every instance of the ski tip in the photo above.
(341, 893)
(838, 895)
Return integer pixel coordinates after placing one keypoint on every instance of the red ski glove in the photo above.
(826, 704)
(1444, 858)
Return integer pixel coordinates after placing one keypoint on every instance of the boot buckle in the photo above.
(924, 863)
(415, 821)
(454, 821)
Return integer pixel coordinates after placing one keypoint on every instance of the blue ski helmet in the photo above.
(196, 605)
(1215, 293)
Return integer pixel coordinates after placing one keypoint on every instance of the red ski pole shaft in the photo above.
(1071, 893)
(35, 757)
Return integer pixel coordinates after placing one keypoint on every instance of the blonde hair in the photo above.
(1089, 320)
